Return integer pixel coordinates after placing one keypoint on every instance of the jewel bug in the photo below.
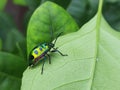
(40, 52)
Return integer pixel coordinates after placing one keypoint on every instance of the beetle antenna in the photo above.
(51, 35)
(57, 37)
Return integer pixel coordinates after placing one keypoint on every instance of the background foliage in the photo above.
(13, 38)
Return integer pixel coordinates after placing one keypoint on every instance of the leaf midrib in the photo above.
(98, 22)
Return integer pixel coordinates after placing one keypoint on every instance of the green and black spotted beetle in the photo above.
(40, 52)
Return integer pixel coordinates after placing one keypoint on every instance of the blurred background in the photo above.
(14, 18)
(15, 15)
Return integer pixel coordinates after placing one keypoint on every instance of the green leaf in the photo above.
(6, 22)
(20, 2)
(48, 18)
(112, 18)
(12, 38)
(77, 9)
(22, 49)
(92, 62)
(9, 34)
(11, 69)
(82, 10)
(2, 4)
(0, 44)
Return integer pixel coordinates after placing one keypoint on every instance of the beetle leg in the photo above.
(43, 66)
(55, 50)
(49, 58)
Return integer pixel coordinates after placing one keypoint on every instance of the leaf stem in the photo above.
(98, 22)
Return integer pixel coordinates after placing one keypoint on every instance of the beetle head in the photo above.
(31, 61)
(51, 45)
